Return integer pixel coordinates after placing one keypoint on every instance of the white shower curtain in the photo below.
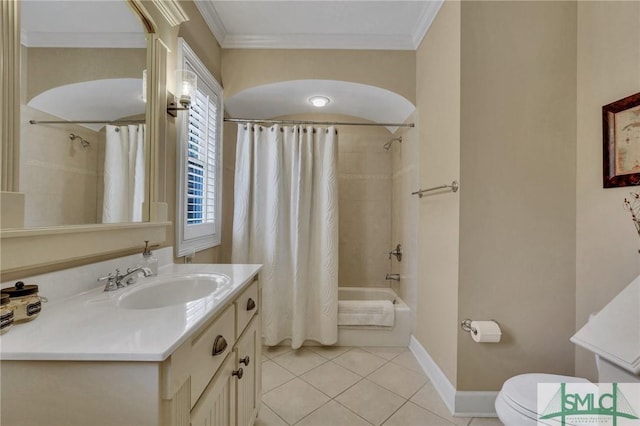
(124, 169)
(286, 217)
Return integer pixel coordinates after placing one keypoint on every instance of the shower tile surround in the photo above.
(62, 180)
(365, 185)
(334, 390)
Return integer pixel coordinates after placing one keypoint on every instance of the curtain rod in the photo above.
(86, 122)
(325, 123)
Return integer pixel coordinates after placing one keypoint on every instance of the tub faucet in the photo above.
(394, 277)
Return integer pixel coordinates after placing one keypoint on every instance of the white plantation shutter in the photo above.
(199, 162)
(201, 158)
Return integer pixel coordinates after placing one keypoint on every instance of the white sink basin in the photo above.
(174, 291)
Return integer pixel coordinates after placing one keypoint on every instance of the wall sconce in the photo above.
(186, 85)
(144, 86)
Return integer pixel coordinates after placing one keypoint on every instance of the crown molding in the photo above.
(88, 39)
(211, 17)
(427, 17)
(171, 11)
(316, 41)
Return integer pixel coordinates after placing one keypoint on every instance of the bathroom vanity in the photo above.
(142, 355)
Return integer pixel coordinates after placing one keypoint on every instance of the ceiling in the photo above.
(313, 24)
(111, 99)
(309, 24)
(79, 23)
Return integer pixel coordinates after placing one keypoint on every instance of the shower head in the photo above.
(387, 145)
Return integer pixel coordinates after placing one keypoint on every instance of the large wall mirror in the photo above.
(83, 155)
(81, 60)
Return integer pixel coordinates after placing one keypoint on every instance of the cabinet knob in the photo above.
(238, 373)
(219, 345)
(245, 360)
(250, 304)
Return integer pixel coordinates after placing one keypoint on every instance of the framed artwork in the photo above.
(621, 142)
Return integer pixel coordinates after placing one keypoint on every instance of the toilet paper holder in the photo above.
(466, 326)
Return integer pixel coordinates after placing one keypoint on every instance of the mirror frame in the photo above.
(50, 248)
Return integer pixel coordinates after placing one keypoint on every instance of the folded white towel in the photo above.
(366, 312)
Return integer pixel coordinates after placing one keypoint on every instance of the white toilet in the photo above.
(613, 333)
(516, 404)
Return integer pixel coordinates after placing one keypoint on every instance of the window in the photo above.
(199, 157)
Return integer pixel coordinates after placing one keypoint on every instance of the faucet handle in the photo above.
(109, 277)
(111, 282)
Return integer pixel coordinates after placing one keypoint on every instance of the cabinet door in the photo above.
(249, 353)
(217, 405)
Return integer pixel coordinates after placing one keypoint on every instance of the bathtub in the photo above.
(398, 335)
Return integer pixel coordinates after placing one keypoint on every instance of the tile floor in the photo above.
(345, 386)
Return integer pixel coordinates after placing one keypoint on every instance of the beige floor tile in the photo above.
(265, 353)
(427, 397)
(331, 378)
(299, 361)
(273, 351)
(294, 400)
(412, 415)
(360, 362)
(398, 379)
(485, 421)
(407, 360)
(266, 417)
(274, 375)
(333, 414)
(387, 353)
(370, 401)
(329, 352)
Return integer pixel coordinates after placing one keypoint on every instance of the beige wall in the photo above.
(391, 70)
(197, 34)
(52, 67)
(201, 40)
(517, 202)
(438, 106)
(608, 70)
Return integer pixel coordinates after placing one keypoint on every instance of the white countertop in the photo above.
(91, 327)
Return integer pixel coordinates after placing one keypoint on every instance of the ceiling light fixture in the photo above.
(319, 101)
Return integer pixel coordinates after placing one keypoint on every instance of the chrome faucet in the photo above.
(115, 281)
(393, 277)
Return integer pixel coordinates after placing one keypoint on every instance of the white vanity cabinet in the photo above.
(233, 393)
(199, 383)
(248, 356)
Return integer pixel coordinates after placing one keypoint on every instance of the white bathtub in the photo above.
(398, 335)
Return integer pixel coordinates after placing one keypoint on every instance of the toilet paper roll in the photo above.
(485, 331)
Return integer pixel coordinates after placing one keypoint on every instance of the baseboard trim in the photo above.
(459, 403)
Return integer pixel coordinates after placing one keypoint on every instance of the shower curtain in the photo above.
(286, 217)
(124, 169)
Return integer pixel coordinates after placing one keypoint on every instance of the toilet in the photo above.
(516, 403)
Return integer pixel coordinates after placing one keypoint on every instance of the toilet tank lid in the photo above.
(614, 332)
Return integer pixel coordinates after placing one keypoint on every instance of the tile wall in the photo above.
(365, 185)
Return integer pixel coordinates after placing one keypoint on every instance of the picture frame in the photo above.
(621, 142)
